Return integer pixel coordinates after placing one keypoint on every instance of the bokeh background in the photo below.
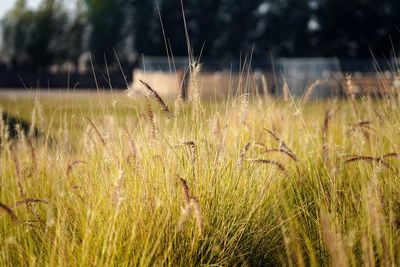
(41, 39)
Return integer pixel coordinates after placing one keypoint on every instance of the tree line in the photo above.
(216, 28)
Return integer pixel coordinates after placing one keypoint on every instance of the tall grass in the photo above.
(112, 181)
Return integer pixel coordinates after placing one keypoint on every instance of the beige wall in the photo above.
(211, 84)
(221, 84)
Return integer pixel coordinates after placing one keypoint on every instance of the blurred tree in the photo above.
(106, 19)
(225, 27)
(34, 37)
(204, 24)
(238, 31)
(144, 23)
(16, 26)
(285, 27)
(221, 27)
(173, 24)
(352, 28)
(45, 38)
(74, 40)
(148, 25)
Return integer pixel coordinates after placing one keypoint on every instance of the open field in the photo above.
(100, 179)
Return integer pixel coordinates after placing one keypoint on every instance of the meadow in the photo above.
(104, 179)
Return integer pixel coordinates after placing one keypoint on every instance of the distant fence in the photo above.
(221, 77)
(25, 78)
(221, 84)
(326, 76)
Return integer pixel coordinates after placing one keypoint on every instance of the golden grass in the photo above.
(110, 181)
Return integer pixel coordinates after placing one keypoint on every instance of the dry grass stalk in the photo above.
(373, 209)
(29, 201)
(33, 122)
(292, 246)
(191, 202)
(360, 124)
(244, 108)
(363, 126)
(351, 91)
(391, 155)
(286, 92)
(40, 115)
(198, 215)
(18, 175)
(380, 117)
(282, 151)
(20, 186)
(350, 88)
(193, 150)
(186, 212)
(10, 213)
(396, 85)
(160, 101)
(264, 84)
(178, 104)
(34, 160)
(37, 119)
(333, 241)
(376, 217)
(310, 90)
(220, 147)
(71, 166)
(261, 145)
(87, 141)
(117, 198)
(106, 147)
(325, 147)
(271, 162)
(21, 137)
(368, 159)
(6, 137)
(185, 189)
(194, 88)
(282, 144)
(134, 154)
(216, 128)
(193, 155)
(94, 127)
(243, 153)
(368, 253)
(65, 131)
(279, 140)
(150, 117)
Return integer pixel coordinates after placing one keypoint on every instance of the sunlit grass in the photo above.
(99, 185)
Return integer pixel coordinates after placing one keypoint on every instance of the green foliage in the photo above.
(47, 30)
(17, 26)
(144, 23)
(239, 26)
(217, 28)
(355, 28)
(33, 37)
(287, 23)
(73, 43)
(105, 20)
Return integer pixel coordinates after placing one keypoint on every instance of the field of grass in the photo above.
(100, 179)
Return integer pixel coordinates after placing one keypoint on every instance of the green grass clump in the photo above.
(104, 180)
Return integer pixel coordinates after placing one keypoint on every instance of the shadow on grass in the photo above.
(12, 122)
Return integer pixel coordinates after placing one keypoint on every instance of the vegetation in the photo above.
(217, 28)
(111, 181)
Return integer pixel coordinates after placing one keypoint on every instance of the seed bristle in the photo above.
(160, 101)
